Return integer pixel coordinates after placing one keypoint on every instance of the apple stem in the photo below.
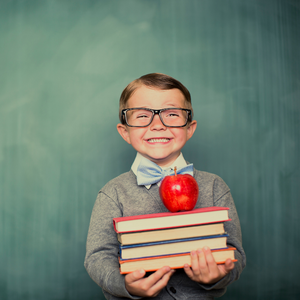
(175, 170)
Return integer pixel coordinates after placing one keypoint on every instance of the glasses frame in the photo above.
(157, 112)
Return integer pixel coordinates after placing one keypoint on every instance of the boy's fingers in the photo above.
(134, 276)
(213, 268)
(156, 276)
(209, 258)
(229, 265)
(158, 280)
(202, 262)
(188, 271)
(195, 266)
(160, 283)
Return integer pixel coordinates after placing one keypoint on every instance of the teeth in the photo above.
(158, 140)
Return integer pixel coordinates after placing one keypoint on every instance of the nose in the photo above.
(157, 124)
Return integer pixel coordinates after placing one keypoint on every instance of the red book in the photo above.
(157, 221)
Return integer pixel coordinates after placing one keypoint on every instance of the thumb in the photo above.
(134, 276)
(229, 265)
(226, 268)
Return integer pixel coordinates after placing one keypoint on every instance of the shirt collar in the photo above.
(178, 163)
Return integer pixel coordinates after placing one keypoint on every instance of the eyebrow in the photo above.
(167, 106)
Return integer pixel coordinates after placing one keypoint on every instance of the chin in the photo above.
(162, 161)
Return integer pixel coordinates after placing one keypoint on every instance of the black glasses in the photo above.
(170, 117)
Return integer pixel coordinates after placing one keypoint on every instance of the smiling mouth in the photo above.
(164, 140)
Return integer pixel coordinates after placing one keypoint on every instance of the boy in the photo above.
(156, 119)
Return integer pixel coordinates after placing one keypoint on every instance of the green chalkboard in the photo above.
(63, 67)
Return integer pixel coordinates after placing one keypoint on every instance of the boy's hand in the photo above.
(204, 268)
(137, 285)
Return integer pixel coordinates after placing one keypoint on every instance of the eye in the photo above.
(142, 116)
(171, 114)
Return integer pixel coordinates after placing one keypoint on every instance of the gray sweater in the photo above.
(123, 197)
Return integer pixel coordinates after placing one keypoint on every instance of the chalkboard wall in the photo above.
(63, 66)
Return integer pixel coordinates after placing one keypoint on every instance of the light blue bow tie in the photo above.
(149, 172)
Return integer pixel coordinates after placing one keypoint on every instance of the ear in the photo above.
(124, 132)
(191, 129)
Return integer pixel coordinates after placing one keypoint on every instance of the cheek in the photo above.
(180, 134)
(136, 135)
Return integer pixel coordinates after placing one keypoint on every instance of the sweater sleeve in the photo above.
(222, 197)
(101, 260)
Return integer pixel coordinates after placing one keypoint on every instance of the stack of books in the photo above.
(152, 241)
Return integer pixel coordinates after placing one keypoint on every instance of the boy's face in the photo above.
(157, 142)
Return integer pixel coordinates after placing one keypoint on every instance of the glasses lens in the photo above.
(138, 117)
(174, 117)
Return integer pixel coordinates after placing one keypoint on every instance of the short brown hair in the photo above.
(155, 80)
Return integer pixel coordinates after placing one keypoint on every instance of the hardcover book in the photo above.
(170, 234)
(173, 261)
(198, 216)
(172, 246)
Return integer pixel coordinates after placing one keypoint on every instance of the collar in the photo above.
(178, 163)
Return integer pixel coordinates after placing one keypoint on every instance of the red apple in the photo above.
(179, 192)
